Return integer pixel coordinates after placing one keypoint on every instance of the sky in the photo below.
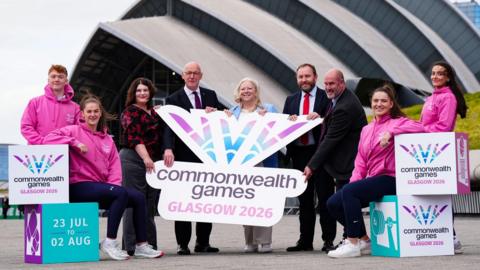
(34, 35)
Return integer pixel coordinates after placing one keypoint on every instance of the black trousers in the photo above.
(133, 174)
(183, 232)
(321, 185)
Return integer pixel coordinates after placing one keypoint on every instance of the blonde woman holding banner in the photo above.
(247, 95)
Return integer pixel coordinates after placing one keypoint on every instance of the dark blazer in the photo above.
(337, 150)
(292, 106)
(180, 99)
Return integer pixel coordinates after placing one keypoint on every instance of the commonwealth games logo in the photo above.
(38, 165)
(422, 154)
(218, 139)
(425, 215)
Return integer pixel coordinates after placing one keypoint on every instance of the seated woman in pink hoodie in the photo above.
(374, 172)
(96, 176)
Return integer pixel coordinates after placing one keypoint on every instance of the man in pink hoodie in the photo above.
(55, 109)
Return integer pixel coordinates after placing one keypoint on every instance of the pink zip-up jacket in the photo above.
(372, 159)
(45, 113)
(439, 112)
(101, 163)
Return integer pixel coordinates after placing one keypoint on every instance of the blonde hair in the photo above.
(236, 93)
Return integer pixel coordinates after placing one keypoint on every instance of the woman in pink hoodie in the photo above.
(96, 176)
(374, 173)
(440, 110)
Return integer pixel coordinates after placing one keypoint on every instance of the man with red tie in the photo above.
(311, 101)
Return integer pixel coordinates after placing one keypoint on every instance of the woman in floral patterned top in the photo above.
(141, 142)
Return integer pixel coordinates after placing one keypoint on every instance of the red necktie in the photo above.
(306, 110)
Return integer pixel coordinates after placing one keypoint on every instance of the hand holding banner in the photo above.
(227, 188)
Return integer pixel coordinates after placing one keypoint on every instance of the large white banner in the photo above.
(38, 174)
(220, 194)
(226, 187)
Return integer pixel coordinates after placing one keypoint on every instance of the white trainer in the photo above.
(146, 251)
(457, 246)
(346, 250)
(113, 250)
(264, 248)
(250, 248)
(365, 247)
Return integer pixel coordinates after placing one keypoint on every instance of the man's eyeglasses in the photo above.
(194, 73)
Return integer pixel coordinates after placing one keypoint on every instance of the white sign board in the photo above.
(432, 163)
(220, 194)
(38, 174)
(226, 187)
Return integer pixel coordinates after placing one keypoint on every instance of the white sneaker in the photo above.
(146, 251)
(112, 249)
(457, 246)
(250, 249)
(264, 248)
(346, 250)
(365, 247)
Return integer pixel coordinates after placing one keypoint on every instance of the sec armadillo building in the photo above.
(372, 41)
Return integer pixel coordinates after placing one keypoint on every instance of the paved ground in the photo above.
(229, 238)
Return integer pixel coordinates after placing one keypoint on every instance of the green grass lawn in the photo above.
(469, 125)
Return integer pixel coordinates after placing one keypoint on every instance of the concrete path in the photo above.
(229, 238)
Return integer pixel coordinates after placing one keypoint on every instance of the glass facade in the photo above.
(471, 10)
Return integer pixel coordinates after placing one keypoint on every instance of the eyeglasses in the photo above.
(194, 73)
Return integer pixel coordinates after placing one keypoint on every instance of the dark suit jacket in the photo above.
(179, 98)
(337, 151)
(292, 106)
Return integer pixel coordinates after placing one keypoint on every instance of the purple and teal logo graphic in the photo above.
(422, 154)
(205, 142)
(263, 142)
(425, 215)
(232, 145)
(38, 165)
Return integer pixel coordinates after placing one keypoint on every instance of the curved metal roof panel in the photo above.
(174, 43)
(279, 38)
(464, 74)
(383, 51)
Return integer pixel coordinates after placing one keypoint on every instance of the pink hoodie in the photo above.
(100, 163)
(439, 112)
(372, 159)
(45, 113)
